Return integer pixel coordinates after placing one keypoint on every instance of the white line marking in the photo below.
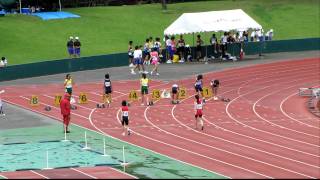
(257, 114)
(93, 177)
(283, 112)
(259, 89)
(39, 174)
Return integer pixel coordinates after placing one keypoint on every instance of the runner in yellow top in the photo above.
(68, 82)
(144, 81)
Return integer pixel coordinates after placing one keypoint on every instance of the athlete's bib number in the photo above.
(125, 113)
(207, 92)
(34, 101)
(57, 100)
(199, 106)
(107, 84)
(182, 93)
(156, 94)
(133, 96)
(83, 99)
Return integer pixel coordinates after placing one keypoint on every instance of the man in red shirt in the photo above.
(65, 111)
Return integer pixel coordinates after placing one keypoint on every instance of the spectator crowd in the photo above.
(177, 50)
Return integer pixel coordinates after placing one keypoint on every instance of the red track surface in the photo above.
(70, 173)
(265, 131)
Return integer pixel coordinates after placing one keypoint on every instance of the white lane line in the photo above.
(284, 113)
(77, 170)
(267, 132)
(257, 114)
(39, 174)
(174, 147)
(2, 176)
(225, 140)
(122, 172)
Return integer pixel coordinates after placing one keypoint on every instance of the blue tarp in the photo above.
(55, 15)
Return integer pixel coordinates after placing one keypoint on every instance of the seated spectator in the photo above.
(3, 62)
(228, 56)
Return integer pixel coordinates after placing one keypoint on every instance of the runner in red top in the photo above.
(198, 106)
(65, 111)
(125, 118)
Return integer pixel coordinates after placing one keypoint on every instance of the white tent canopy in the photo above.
(212, 21)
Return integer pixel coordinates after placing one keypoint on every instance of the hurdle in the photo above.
(65, 137)
(86, 147)
(104, 148)
(124, 164)
(309, 92)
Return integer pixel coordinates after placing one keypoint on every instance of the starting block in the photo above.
(175, 102)
(101, 105)
(225, 99)
(47, 108)
(150, 103)
(73, 107)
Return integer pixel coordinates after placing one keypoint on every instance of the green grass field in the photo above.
(104, 30)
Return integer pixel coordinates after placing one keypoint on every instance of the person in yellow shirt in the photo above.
(144, 82)
(68, 82)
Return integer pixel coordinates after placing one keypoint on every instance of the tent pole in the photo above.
(60, 5)
(205, 40)
(20, 5)
(193, 48)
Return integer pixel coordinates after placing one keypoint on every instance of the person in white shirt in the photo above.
(253, 34)
(169, 49)
(3, 62)
(270, 34)
(137, 59)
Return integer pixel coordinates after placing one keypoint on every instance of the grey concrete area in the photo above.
(18, 118)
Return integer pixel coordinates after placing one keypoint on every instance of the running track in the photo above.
(265, 131)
